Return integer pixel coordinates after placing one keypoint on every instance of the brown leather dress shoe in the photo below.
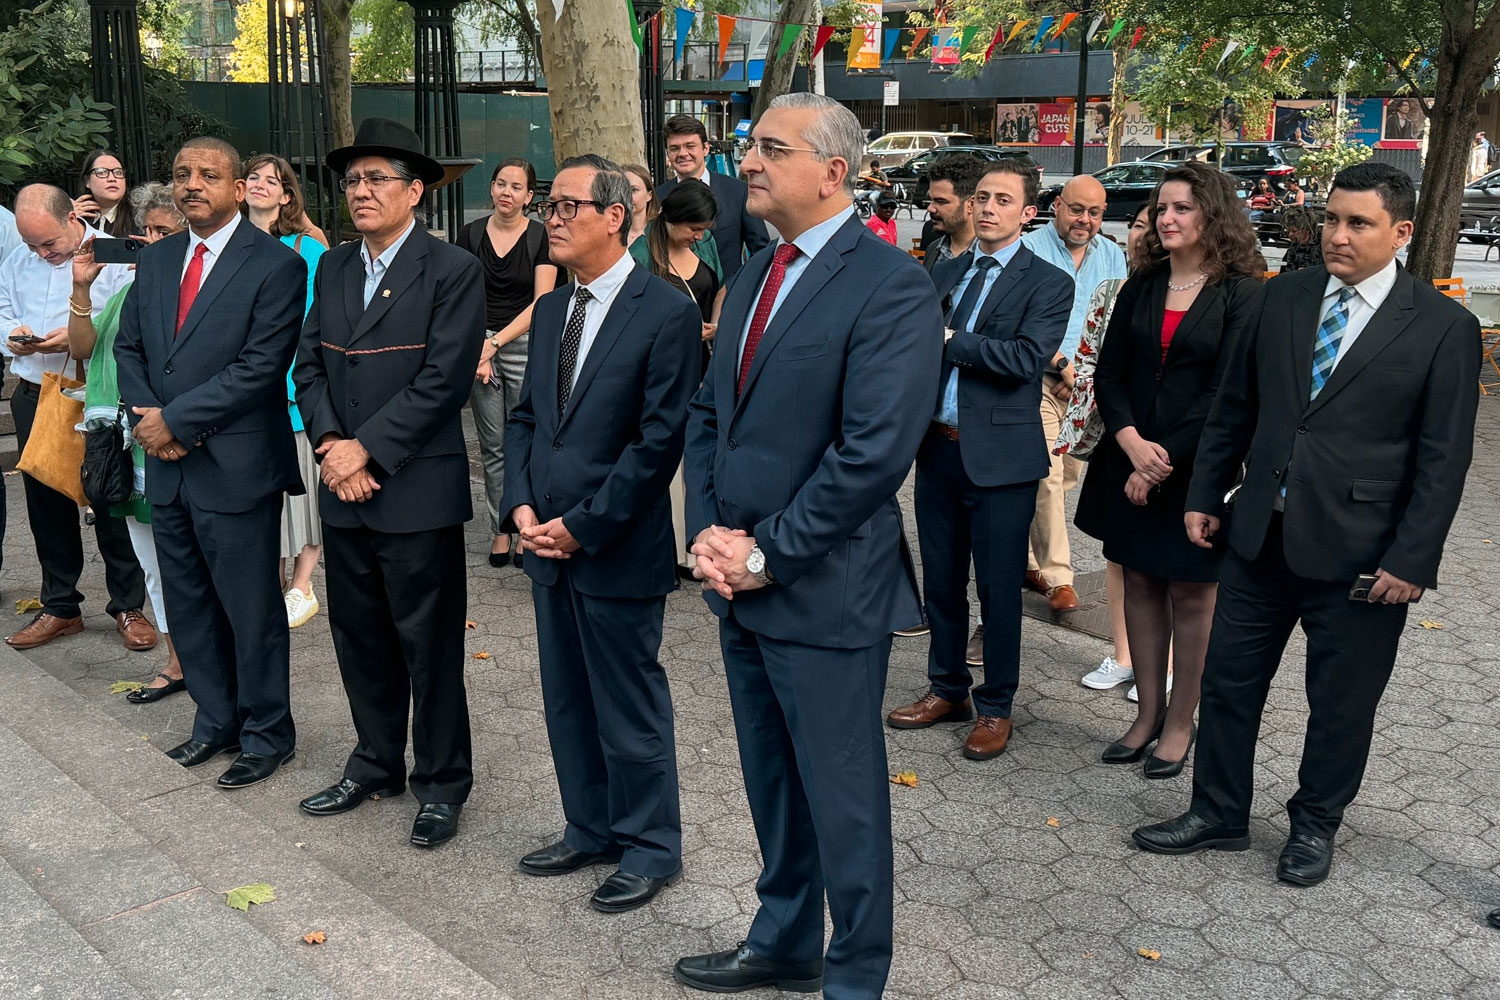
(988, 738)
(1063, 598)
(43, 629)
(929, 710)
(138, 633)
(1035, 582)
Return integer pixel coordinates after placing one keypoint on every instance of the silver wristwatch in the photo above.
(755, 565)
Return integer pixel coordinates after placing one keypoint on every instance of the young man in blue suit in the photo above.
(737, 232)
(982, 455)
(206, 335)
(806, 425)
(589, 453)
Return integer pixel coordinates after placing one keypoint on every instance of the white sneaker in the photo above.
(1110, 674)
(299, 607)
(1135, 695)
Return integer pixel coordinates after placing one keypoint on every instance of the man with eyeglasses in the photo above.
(589, 453)
(737, 232)
(385, 365)
(805, 427)
(36, 294)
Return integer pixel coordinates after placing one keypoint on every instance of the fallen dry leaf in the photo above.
(907, 778)
(315, 937)
(26, 604)
(120, 687)
(1431, 624)
(1052, 822)
(1487, 541)
(1150, 953)
(471, 624)
(481, 656)
(256, 892)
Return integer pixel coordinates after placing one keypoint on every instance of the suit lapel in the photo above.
(171, 288)
(946, 275)
(734, 319)
(1390, 320)
(1306, 312)
(546, 328)
(401, 273)
(235, 253)
(354, 290)
(1010, 274)
(615, 321)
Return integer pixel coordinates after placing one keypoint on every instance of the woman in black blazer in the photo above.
(1168, 341)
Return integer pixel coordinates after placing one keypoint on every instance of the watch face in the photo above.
(755, 562)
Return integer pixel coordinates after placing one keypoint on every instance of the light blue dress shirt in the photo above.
(10, 237)
(948, 410)
(811, 243)
(375, 269)
(1102, 260)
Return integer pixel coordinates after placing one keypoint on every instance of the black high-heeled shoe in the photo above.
(1120, 753)
(500, 560)
(1155, 767)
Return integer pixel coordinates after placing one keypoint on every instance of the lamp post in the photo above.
(301, 118)
(437, 105)
(119, 81)
(653, 102)
(1081, 109)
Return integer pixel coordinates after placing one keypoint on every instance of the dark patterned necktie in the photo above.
(567, 356)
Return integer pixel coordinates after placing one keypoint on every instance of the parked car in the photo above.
(1480, 209)
(895, 148)
(912, 174)
(1128, 186)
(1249, 161)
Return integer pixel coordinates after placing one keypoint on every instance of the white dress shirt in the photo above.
(604, 290)
(35, 293)
(811, 243)
(1368, 296)
(10, 238)
(216, 244)
(375, 269)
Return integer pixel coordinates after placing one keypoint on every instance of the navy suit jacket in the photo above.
(395, 375)
(808, 460)
(221, 381)
(735, 229)
(605, 466)
(1019, 328)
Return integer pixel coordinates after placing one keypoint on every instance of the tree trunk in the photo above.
(777, 78)
(1452, 121)
(336, 28)
(593, 82)
(1117, 102)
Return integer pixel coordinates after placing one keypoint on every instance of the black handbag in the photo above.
(108, 474)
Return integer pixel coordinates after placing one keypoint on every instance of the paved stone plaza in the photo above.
(1015, 877)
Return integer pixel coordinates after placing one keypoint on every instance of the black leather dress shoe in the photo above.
(1155, 767)
(1186, 834)
(436, 822)
(146, 695)
(559, 859)
(623, 891)
(192, 753)
(741, 969)
(249, 768)
(1493, 919)
(1305, 859)
(342, 797)
(1119, 753)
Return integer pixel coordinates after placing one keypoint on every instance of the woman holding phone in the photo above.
(101, 193)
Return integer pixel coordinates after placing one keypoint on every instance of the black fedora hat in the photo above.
(383, 137)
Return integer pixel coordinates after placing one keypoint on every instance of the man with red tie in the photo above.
(206, 336)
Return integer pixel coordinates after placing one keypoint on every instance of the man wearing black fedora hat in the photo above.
(386, 362)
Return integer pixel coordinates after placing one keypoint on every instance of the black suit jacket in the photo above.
(1021, 323)
(221, 381)
(737, 233)
(395, 375)
(1374, 467)
(606, 465)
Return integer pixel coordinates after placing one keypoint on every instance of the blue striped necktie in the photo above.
(1330, 334)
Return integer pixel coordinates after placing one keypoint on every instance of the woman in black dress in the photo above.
(1169, 339)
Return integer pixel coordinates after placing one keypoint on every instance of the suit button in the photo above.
(1302, 429)
(1275, 473)
(353, 404)
(353, 362)
(547, 497)
(733, 444)
(557, 446)
(167, 370)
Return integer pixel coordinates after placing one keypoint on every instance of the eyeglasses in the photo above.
(374, 180)
(566, 209)
(103, 172)
(771, 150)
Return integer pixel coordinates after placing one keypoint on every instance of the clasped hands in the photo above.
(345, 468)
(721, 555)
(1151, 461)
(155, 437)
(551, 540)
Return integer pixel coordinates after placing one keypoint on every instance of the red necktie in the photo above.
(785, 254)
(191, 279)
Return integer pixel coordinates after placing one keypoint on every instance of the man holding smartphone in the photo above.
(1351, 409)
(36, 282)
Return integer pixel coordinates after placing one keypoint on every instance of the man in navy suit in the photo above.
(979, 464)
(737, 233)
(804, 429)
(206, 335)
(589, 453)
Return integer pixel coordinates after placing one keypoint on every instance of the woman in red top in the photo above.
(1168, 341)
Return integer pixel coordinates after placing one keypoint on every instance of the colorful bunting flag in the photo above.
(1282, 65)
(1094, 28)
(1272, 55)
(1135, 39)
(789, 35)
(1185, 40)
(1227, 49)
(557, 6)
(1204, 51)
(685, 19)
(916, 42)
(1062, 25)
(825, 32)
(892, 37)
(1041, 32)
(1016, 31)
(635, 28)
(999, 37)
(1404, 63)
(726, 32)
(967, 37)
(1115, 30)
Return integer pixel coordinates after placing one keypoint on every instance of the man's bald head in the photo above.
(1078, 211)
(45, 220)
(46, 199)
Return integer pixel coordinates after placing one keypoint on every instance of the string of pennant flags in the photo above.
(873, 45)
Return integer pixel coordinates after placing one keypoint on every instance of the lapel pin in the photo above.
(385, 294)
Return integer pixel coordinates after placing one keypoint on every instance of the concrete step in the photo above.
(44, 956)
(210, 843)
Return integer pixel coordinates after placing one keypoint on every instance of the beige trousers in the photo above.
(1049, 554)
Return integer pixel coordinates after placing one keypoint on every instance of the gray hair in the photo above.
(611, 186)
(153, 196)
(835, 132)
(408, 175)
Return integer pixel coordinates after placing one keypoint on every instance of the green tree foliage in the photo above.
(1333, 150)
(386, 51)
